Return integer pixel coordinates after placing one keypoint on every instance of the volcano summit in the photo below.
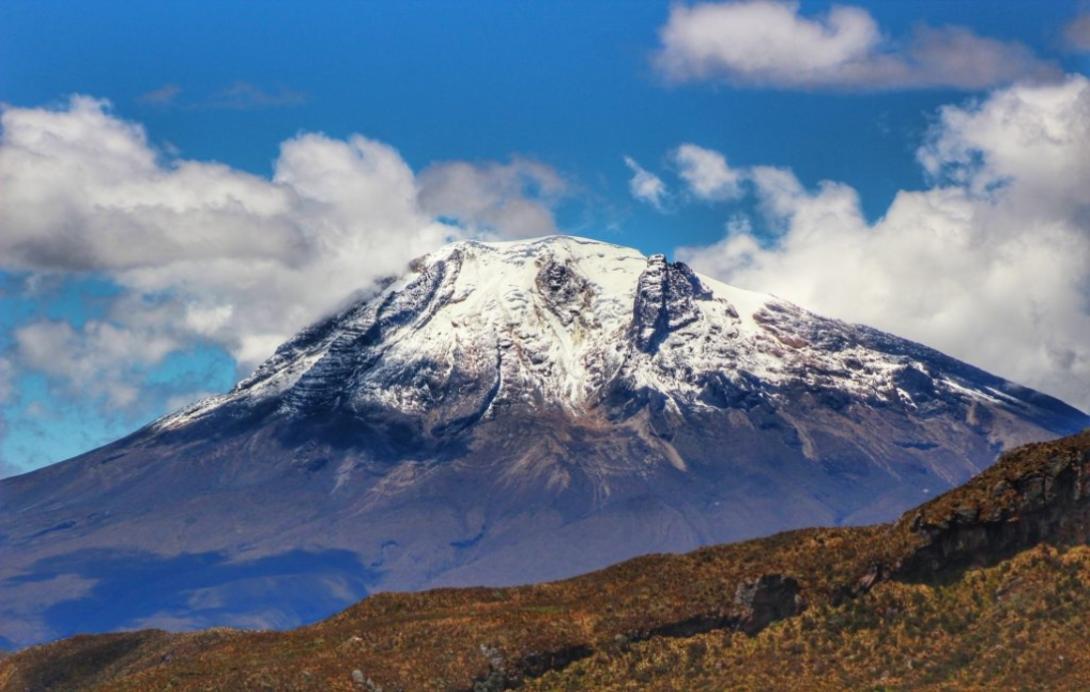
(502, 413)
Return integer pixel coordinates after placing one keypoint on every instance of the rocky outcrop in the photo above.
(767, 599)
(566, 293)
(1041, 494)
(666, 296)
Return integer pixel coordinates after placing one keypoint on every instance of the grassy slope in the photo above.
(1022, 624)
(881, 606)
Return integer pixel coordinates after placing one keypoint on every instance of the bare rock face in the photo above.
(502, 413)
(666, 297)
(767, 599)
(565, 292)
(1044, 499)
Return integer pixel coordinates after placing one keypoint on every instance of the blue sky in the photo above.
(572, 87)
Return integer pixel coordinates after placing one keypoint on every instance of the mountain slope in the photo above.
(502, 413)
(985, 586)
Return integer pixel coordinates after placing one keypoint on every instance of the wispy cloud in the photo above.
(645, 185)
(7, 394)
(247, 96)
(512, 199)
(239, 95)
(7, 375)
(7, 468)
(1077, 34)
(770, 43)
(163, 96)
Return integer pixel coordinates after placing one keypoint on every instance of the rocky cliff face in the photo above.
(1041, 494)
(503, 412)
(665, 302)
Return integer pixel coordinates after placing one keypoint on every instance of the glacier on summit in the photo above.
(551, 323)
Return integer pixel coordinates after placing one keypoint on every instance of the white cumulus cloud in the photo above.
(95, 359)
(645, 185)
(512, 199)
(990, 264)
(205, 253)
(771, 43)
(706, 173)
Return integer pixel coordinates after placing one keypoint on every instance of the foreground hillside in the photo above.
(987, 585)
(1022, 623)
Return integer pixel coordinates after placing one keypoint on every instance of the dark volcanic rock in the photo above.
(767, 599)
(665, 301)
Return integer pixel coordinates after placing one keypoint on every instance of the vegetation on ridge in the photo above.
(1020, 623)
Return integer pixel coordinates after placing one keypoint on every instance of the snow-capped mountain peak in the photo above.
(506, 413)
(565, 323)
